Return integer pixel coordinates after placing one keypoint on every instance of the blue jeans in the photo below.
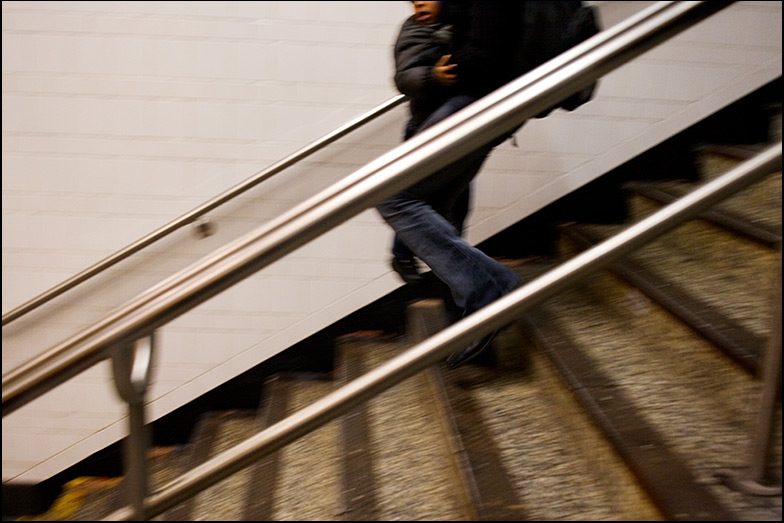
(454, 207)
(455, 212)
(473, 278)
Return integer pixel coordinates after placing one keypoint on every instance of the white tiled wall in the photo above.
(118, 117)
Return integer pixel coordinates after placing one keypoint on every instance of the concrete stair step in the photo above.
(728, 273)
(415, 476)
(360, 496)
(94, 498)
(307, 482)
(490, 488)
(699, 405)
(225, 500)
(87, 498)
(196, 452)
(263, 475)
(735, 339)
(531, 451)
(753, 229)
(754, 211)
(759, 204)
(715, 273)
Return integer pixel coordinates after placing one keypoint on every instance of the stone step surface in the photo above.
(415, 475)
(308, 485)
(760, 203)
(702, 403)
(726, 271)
(559, 465)
(699, 401)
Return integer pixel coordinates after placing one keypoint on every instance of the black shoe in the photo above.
(407, 269)
(473, 350)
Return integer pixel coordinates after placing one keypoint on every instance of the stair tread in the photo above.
(550, 462)
(735, 339)
(308, 482)
(759, 204)
(765, 232)
(558, 466)
(489, 489)
(226, 499)
(415, 479)
(359, 477)
(94, 498)
(697, 400)
(730, 275)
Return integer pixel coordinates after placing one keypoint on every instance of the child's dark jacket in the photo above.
(417, 49)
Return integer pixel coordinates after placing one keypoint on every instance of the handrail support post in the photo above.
(751, 480)
(132, 368)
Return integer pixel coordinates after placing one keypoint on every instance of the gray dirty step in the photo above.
(558, 464)
(715, 278)
(415, 475)
(733, 338)
(216, 432)
(308, 486)
(701, 403)
(727, 272)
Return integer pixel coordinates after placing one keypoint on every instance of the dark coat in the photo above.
(417, 49)
(485, 42)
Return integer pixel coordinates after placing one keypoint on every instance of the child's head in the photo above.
(427, 13)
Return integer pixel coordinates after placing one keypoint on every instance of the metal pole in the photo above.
(752, 479)
(132, 367)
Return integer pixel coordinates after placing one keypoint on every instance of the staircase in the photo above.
(626, 397)
(663, 347)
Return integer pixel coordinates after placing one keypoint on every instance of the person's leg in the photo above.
(399, 249)
(403, 260)
(454, 206)
(474, 278)
(455, 210)
(458, 212)
(453, 202)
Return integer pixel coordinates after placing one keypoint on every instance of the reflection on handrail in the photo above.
(202, 209)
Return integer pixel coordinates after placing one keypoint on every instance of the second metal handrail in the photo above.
(194, 214)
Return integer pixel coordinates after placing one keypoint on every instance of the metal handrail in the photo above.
(499, 313)
(196, 213)
(477, 125)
